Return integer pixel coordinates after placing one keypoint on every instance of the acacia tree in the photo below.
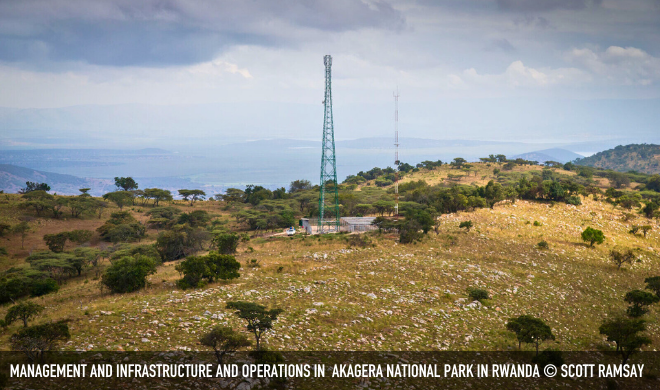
(23, 311)
(620, 258)
(224, 340)
(639, 300)
(126, 183)
(530, 330)
(299, 185)
(259, 320)
(39, 200)
(37, 339)
(33, 186)
(157, 195)
(593, 236)
(458, 162)
(653, 284)
(22, 228)
(56, 241)
(120, 198)
(624, 332)
(192, 194)
(646, 229)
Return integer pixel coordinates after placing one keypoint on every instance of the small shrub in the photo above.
(477, 294)
(466, 224)
(253, 263)
(226, 242)
(280, 269)
(129, 273)
(44, 286)
(358, 241)
(574, 200)
(593, 236)
(646, 229)
(548, 356)
(198, 270)
(543, 245)
(537, 223)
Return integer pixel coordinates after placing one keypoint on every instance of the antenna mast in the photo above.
(396, 151)
(329, 192)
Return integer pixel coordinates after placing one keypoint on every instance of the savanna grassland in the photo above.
(369, 291)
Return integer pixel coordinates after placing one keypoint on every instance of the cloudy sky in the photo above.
(477, 69)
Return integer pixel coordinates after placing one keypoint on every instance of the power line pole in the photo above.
(396, 151)
(328, 193)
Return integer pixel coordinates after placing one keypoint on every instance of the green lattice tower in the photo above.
(328, 193)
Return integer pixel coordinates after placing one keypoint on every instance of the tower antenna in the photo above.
(329, 192)
(396, 151)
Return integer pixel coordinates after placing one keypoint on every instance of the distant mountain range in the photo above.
(554, 154)
(13, 178)
(270, 163)
(635, 157)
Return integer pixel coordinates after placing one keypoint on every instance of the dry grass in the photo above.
(325, 288)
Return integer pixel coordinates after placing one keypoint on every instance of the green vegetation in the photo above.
(121, 227)
(623, 257)
(530, 330)
(593, 236)
(634, 157)
(625, 333)
(639, 300)
(23, 311)
(259, 320)
(129, 273)
(37, 339)
(477, 294)
(224, 340)
(214, 266)
(401, 287)
(465, 224)
(653, 284)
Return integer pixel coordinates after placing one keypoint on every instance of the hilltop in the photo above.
(634, 157)
(369, 291)
(13, 178)
(554, 154)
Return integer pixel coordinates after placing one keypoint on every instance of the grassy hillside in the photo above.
(369, 291)
(635, 157)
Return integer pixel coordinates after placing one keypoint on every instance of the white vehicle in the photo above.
(290, 231)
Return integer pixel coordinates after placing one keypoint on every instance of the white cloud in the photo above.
(517, 75)
(619, 65)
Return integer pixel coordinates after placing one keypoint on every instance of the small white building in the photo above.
(346, 224)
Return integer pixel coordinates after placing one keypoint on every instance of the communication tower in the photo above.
(328, 193)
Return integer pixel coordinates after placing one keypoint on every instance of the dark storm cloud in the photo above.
(545, 5)
(169, 32)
